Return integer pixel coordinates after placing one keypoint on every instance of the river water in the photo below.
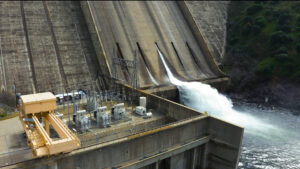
(276, 149)
(272, 135)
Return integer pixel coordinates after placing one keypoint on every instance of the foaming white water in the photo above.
(264, 145)
(205, 98)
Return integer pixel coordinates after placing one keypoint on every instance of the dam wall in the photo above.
(211, 19)
(44, 46)
(123, 29)
(63, 44)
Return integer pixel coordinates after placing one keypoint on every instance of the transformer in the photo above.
(82, 120)
(85, 123)
(105, 120)
(118, 111)
(102, 117)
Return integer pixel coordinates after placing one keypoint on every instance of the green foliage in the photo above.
(281, 50)
(276, 14)
(246, 30)
(254, 9)
(283, 28)
(255, 29)
(266, 67)
(298, 48)
(260, 21)
(280, 56)
(269, 33)
(247, 20)
(3, 114)
(298, 21)
(296, 7)
(296, 76)
(233, 40)
(279, 37)
(274, 2)
(284, 18)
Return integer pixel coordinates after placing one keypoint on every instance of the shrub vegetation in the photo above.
(267, 35)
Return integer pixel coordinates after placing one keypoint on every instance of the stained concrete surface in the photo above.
(15, 66)
(211, 19)
(148, 22)
(44, 45)
(47, 44)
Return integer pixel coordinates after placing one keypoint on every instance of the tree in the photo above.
(279, 38)
(254, 9)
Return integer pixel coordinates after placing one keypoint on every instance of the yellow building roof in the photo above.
(38, 97)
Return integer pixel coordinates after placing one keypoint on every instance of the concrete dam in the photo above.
(45, 45)
(111, 50)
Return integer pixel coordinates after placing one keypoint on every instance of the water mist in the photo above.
(205, 98)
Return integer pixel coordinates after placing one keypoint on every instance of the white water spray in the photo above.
(204, 98)
(151, 77)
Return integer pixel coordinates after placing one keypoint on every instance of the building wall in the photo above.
(193, 141)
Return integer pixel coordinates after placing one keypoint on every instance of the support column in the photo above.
(194, 158)
(203, 160)
(177, 161)
(52, 165)
(156, 165)
(46, 123)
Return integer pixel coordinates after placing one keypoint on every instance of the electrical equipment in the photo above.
(118, 111)
(82, 120)
(85, 123)
(147, 115)
(79, 115)
(105, 120)
(140, 110)
(143, 101)
(102, 117)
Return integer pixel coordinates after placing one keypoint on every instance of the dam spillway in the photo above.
(137, 26)
(46, 45)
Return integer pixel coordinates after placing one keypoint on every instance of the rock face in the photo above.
(44, 45)
(211, 18)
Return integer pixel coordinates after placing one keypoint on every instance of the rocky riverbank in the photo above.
(284, 94)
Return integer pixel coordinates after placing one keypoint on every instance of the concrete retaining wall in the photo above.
(171, 109)
(181, 146)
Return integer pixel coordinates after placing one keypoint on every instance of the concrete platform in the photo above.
(13, 148)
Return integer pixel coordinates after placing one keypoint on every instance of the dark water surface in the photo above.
(278, 148)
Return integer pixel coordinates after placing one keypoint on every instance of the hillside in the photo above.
(263, 44)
